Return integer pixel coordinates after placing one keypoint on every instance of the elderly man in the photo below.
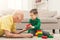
(7, 26)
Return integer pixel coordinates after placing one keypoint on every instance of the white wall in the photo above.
(16, 4)
(3, 4)
(43, 5)
(31, 4)
(21, 4)
(54, 5)
(25, 5)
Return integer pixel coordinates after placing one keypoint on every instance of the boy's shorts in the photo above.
(33, 32)
(46, 33)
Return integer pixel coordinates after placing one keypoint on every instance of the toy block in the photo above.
(44, 37)
(40, 35)
(36, 34)
(39, 30)
(28, 26)
(50, 36)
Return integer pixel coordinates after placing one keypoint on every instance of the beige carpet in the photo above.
(56, 37)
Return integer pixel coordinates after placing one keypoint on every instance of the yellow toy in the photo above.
(39, 33)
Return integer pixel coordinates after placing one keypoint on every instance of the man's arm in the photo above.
(11, 35)
(20, 31)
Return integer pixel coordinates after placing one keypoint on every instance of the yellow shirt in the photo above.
(6, 23)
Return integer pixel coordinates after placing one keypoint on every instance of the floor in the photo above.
(56, 37)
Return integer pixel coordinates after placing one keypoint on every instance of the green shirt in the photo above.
(36, 23)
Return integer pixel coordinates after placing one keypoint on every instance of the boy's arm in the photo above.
(38, 25)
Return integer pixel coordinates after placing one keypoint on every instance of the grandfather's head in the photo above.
(18, 16)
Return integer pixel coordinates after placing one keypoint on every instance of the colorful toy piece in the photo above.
(50, 36)
(44, 37)
(39, 33)
(43, 34)
(29, 26)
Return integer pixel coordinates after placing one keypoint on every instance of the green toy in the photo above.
(50, 36)
(40, 35)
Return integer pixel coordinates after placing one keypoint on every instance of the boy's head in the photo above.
(33, 14)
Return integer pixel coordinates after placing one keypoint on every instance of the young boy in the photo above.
(35, 24)
(34, 21)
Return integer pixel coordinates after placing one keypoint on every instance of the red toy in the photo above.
(28, 26)
(39, 30)
(44, 37)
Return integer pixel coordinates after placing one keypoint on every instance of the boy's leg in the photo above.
(46, 33)
(33, 32)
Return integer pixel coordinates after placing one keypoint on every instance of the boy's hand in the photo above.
(32, 27)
